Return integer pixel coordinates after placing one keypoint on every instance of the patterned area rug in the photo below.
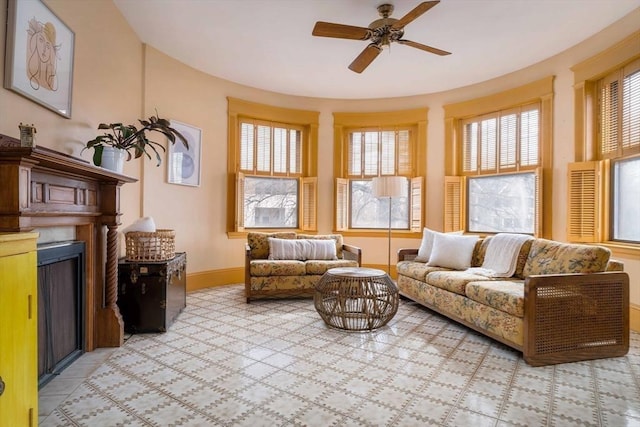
(275, 363)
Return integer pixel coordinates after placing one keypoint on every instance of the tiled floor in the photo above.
(275, 363)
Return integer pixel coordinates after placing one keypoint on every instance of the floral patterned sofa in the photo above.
(564, 302)
(265, 277)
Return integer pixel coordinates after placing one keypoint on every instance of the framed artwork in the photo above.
(183, 166)
(39, 55)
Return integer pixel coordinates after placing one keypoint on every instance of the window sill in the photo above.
(625, 250)
(243, 234)
(351, 233)
(405, 234)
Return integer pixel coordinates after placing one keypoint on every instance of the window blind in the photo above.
(280, 150)
(404, 153)
(375, 153)
(263, 145)
(501, 142)
(371, 153)
(488, 144)
(619, 119)
(268, 149)
(508, 140)
(246, 147)
(295, 151)
(470, 147)
(387, 153)
(529, 138)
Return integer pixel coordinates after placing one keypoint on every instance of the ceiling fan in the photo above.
(382, 32)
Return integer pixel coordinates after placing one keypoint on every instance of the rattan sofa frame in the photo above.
(567, 317)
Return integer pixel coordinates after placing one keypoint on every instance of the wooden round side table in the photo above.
(356, 299)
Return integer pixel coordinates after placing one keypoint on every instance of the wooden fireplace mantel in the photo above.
(40, 187)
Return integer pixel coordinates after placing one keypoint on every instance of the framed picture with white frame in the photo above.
(183, 165)
(39, 55)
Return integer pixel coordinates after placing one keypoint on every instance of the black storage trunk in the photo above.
(151, 294)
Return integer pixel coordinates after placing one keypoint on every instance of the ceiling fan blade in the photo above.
(365, 58)
(424, 47)
(415, 13)
(328, 29)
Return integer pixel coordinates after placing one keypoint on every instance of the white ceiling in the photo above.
(268, 44)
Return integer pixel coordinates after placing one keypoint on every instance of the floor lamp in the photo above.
(390, 187)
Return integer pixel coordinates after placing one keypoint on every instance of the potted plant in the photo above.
(128, 140)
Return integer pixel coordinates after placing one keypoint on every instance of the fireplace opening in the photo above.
(61, 284)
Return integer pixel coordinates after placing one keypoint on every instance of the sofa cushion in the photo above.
(615, 265)
(480, 251)
(272, 284)
(259, 242)
(522, 259)
(452, 251)
(504, 295)
(277, 268)
(453, 281)
(416, 270)
(551, 257)
(463, 308)
(336, 237)
(321, 266)
(301, 249)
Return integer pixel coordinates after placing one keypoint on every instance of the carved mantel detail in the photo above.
(40, 187)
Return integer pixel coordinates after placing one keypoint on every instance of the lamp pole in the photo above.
(389, 242)
(389, 187)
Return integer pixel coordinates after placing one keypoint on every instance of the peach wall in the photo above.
(109, 90)
(106, 88)
(197, 214)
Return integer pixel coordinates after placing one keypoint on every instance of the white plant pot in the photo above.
(113, 159)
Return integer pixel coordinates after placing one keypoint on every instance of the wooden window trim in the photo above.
(343, 123)
(239, 109)
(539, 91)
(586, 75)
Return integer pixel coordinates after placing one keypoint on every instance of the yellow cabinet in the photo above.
(18, 330)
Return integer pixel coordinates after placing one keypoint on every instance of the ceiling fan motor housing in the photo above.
(382, 32)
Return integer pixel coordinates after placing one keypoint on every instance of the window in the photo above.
(270, 202)
(268, 150)
(502, 203)
(603, 205)
(625, 203)
(376, 145)
(619, 139)
(372, 154)
(272, 163)
(495, 161)
(494, 144)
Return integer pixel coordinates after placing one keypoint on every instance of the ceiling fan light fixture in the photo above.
(385, 43)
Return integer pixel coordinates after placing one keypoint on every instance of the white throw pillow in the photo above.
(282, 248)
(424, 253)
(318, 249)
(301, 249)
(452, 251)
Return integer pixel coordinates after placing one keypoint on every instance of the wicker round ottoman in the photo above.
(356, 299)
